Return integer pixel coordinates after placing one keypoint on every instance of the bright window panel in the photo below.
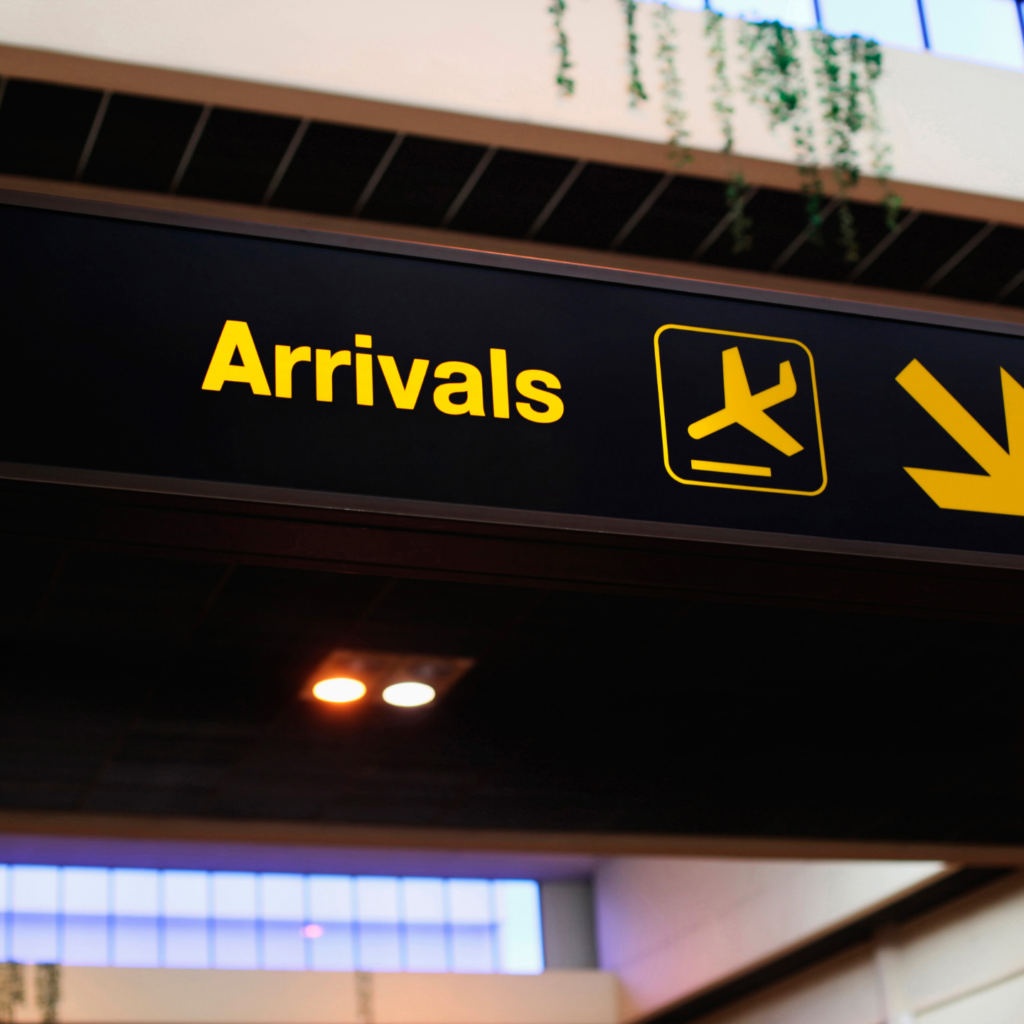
(330, 898)
(186, 898)
(334, 949)
(4, 882)
(34, 899)
(376, 904)
(893, 22)
(472, 941)
(426, 939)
(520, 942)
(86, 926)
(283, 910)
(798, 13)
(136, 905)
(234, 925)
(982, 30)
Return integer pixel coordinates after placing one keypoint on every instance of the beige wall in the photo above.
(963, 964)
(947, 120)
(127, 995)
(670, 928)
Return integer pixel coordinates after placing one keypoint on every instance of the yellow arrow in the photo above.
(1002, 490)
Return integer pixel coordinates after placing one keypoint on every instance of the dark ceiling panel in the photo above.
(422, 180)
(684, 215)
(597, 206)
(1015, 297)
(511, 193)
(141, 142)
(237, 155)
(159, 686)
(43, 128)
(330, 168)
(919, 252)
(777, 218)
(827, 258)
(987, 269)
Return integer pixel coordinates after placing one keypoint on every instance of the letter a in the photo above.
(236, 338)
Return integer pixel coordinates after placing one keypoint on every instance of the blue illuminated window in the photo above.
(983, 30)
(134, 917)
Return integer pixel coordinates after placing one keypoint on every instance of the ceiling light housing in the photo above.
(380, 670)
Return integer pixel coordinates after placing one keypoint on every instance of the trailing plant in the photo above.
(672, 86)
(636, 86)
(565, 83)
(881, 151)
(775, 79)
(736, 192)
(12, 990)
(846, 70)
(48, 992)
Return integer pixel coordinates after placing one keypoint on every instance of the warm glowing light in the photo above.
(408, 695)
(339, 691)
(313, 931)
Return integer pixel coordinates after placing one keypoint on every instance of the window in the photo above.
(243, 920)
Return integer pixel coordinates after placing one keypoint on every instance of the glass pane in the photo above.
(34, 895)
(520, 945)
(234, 925)
(86, 938)
(376, 905)
(426, 939)
(472, 941)
(333, 949)
(186, 894)
(283, 909)
(330, 898)
(982, 30)
(798, 13)
(136, 903)
(4, 882)
(893, 22)
(186, 925)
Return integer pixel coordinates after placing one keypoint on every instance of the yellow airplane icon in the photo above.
(748, 410)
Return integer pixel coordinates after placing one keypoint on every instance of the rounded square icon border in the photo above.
(664, 428)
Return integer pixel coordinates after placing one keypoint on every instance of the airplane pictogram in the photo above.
(749, 410)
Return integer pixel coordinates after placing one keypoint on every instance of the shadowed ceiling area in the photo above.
(142, 684)
(135, 142)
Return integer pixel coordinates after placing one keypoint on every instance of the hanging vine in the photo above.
(672, 86)
(846, 70)
(636, 86)
(566, 84)
(12, 990)
(775, 79)
(881, 151)
(736, 192)
(48, 992)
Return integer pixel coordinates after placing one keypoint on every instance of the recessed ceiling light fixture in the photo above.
(346, 676)
(409, 694)
(339, 690)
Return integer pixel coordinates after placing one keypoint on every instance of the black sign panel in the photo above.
(305, 367)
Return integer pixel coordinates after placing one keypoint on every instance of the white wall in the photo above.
(133, 995)
(963, 964)
(952, 124)
(671, 928)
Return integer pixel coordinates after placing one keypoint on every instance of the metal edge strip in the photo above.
(500, 261)
(593, 525)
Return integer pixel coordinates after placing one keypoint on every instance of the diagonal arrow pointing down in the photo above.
(1002, 490)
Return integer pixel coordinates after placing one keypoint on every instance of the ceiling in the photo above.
(135, 142)
(167, 684)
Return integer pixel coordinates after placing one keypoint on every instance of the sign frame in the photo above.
(594, 525)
